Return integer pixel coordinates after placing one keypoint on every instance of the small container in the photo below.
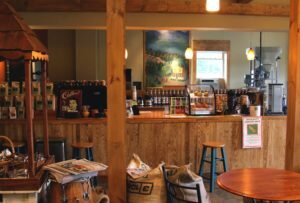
(19, 100)
(12, 112)
(21, 112)
(8, 101)
(4, 112)
(51, 105)
(134, 93)
(85, 114)
(15, 88)
(4, 89)
(38, 100)
(94, 112)
(36, 88)
(49, 88)
(255, 110)
(244, 100)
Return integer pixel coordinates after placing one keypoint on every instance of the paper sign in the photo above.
(252, 132)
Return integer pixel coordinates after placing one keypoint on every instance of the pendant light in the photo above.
(126, 53)
(250, 53)
(188, 53)
(212, 5)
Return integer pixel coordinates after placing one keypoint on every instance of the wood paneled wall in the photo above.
(173, 142)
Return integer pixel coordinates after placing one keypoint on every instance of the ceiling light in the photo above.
(188, 53)
(212, 5)
(250, 53)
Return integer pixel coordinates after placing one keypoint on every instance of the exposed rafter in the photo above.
(243, 1)
(230, 7)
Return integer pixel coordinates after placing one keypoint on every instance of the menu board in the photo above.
(252, 137)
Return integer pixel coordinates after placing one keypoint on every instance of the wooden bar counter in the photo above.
(156, 137)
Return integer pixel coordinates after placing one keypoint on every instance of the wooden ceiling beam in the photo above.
(243, 1)
(241, 7)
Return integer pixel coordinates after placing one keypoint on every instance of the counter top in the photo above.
(148, 116)
(160, 116)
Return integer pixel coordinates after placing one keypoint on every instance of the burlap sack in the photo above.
(146, 185)
(185, 177)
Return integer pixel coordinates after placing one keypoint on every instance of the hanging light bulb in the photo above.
(188, 53)
(250, 53)
(126, 53)
(212, 5)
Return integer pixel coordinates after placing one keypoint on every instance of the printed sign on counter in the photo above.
(252, 132)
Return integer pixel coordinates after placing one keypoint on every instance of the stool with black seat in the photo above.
(174, 191)
(213, 158)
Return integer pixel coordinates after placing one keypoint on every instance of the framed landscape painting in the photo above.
(164, 61)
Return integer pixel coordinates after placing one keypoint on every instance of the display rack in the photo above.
(19, 43)
(200, 100)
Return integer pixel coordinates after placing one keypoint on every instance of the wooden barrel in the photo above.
(76, 191)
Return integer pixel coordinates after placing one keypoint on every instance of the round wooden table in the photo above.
(262, 184)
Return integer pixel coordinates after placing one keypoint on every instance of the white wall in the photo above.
(61, 49)
(239, 41)
(90, 46)
(79, 54)
(135, 46)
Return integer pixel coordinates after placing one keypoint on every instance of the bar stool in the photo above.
(87, 146)
(83, 139)
(213, 173)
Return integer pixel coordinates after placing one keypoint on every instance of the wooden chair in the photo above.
(174, 191)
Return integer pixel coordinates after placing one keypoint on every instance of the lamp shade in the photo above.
(250, 53)
(188, 53)
(212, 5)
(126, 53)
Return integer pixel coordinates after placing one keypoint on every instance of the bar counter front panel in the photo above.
(172, 139)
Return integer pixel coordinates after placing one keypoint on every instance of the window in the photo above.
(211, 60)
(211, 64)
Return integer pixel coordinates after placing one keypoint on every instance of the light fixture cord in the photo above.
(260, 47)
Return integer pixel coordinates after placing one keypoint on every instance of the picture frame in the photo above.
(164, 58)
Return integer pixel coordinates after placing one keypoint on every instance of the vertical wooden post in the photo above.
(29, 115)
(116, 119)
(45, 109)
(293, 117)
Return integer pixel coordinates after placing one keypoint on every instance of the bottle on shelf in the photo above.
(155, 102)
(158, 97)
(167, 97)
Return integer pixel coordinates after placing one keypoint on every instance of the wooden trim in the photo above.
(45, 110)
(29, 115)
(116, 118)
(211, 45)
(293, 118)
